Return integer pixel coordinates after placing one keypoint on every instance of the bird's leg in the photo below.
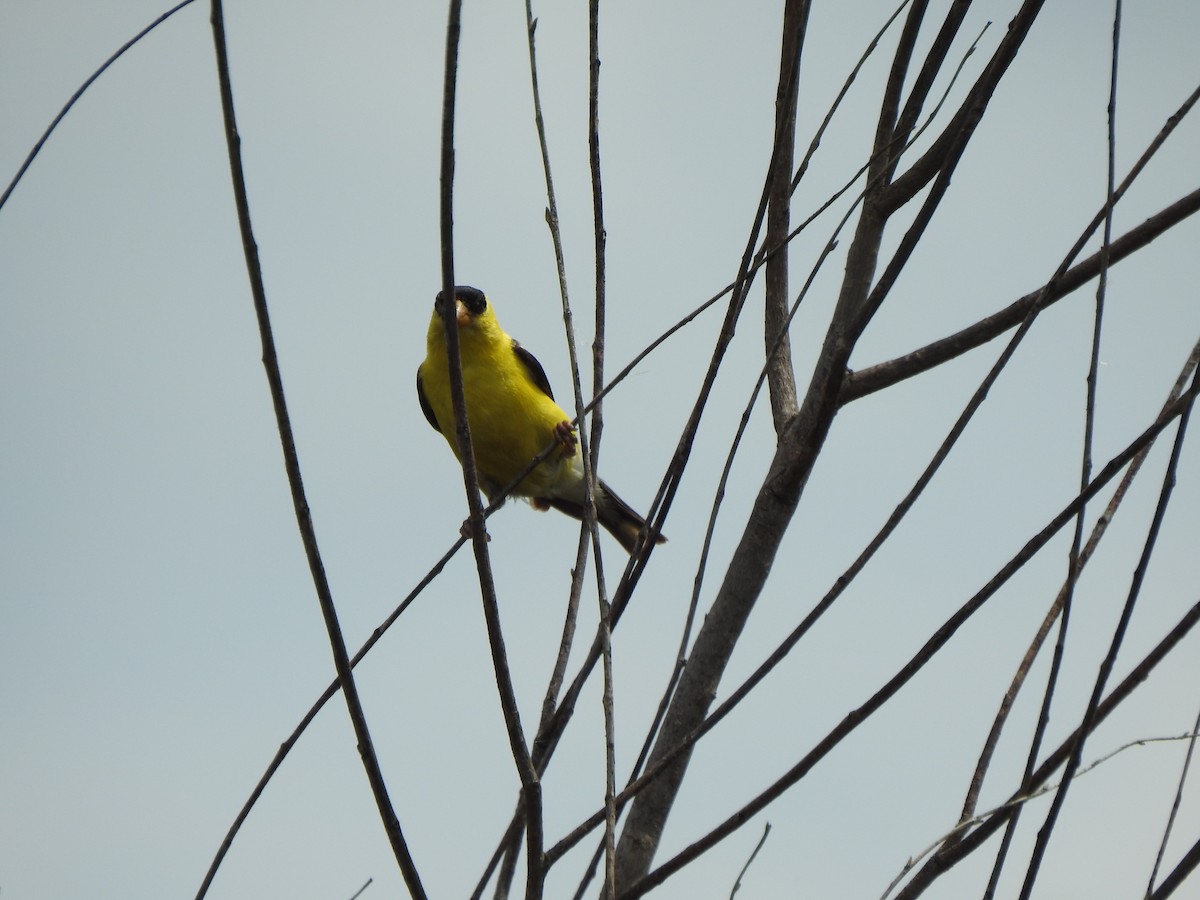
(489, 488)
(564, 435)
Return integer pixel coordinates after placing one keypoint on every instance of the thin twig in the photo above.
(1162, 846)
(871, 47)
(1190, 860)
(742, 874)
(743, 423)
(605, 608)
(941, 153)
(935, 59)
(577, 572)
(308, 535)
(37, 147)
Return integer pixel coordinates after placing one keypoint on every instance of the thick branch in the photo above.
(781, 375)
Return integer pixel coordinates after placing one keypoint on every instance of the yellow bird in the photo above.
(513, 417)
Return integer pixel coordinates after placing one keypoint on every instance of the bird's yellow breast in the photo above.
(512, 420)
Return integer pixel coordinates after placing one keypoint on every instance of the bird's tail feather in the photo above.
(617, 516)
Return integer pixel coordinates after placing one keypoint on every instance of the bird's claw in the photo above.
(564, 436)
(468, 531)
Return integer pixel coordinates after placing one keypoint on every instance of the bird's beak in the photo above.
(463, 314)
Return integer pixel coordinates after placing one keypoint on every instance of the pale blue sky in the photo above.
(159, 636)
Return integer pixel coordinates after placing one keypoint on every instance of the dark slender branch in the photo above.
(895, 147)
(577, 572)
(913, 235)
(605, 624)
(718, 499)
(341, 660)
(332, 689)
(884, 204)
(693, 604)
(1162, 846)
(1179, 874)
(79, 92)
(1106, 667)
(882, 375)
(746, 868)
(548, 738)
(935, 59)
(530, 786)
(883, 164)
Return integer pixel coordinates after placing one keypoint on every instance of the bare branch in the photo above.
(530, 786)
(935, 59)
(874, 378)
(79, 92)
(746, 868)
(341, 661)
(781, 375)
(1187, 761)
(1190, 860)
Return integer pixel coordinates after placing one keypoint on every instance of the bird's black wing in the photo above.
(534, 368)
(425, 407)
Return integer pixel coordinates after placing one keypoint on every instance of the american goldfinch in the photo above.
(513, 417)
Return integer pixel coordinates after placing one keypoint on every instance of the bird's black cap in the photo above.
(472, 298)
